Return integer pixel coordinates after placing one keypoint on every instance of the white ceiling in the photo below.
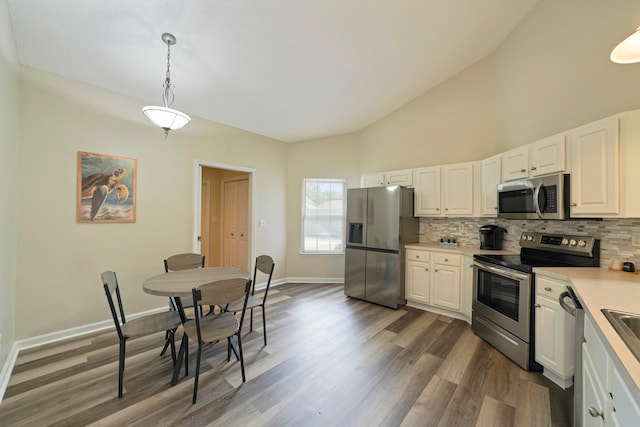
(289, 69)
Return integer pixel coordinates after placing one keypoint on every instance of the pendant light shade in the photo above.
(628, 50)
(165, 117)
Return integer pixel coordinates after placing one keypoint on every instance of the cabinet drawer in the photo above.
(447, 259)
(549, 288)
(417, 255)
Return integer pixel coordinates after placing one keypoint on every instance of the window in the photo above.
(323, 216)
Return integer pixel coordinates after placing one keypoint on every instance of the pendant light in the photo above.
(165, 117)
(628, 50)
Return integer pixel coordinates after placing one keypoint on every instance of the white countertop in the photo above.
(461, 250)
(599, 288)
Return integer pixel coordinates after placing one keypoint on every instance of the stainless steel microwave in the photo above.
(546, 197)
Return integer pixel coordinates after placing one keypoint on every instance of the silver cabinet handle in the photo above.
(547, 288)
(426, 269)
(595, 413)
(446, 260)
(574, 204)
(523, 170)
(533, 168)
(537, 305)
(437, 209)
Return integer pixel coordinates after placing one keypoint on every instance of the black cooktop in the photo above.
(528, 259)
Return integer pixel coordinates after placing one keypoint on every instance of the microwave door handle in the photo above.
(536, 201)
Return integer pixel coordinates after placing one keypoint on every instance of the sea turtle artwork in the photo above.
(106, 188)
(99, 185)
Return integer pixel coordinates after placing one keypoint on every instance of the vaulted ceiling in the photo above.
(292, 70)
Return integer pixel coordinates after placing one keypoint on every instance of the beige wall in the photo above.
(59, 261)
(454, 122)
(553, 73)
(9, 142)
(326, 158)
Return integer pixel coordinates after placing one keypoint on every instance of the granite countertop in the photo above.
(461, 250)
(599, 288)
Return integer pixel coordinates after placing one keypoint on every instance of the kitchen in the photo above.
(502, 102)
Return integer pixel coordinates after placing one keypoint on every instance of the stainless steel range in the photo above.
(504, 286)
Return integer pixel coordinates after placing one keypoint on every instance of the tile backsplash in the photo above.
(615, 234)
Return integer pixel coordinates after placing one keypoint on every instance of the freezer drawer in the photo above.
(354, 272)
(383, 279)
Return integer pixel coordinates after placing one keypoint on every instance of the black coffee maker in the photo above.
(491, 237)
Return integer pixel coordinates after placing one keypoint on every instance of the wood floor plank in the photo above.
(330, 360)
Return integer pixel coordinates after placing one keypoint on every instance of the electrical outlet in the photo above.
(635, 239)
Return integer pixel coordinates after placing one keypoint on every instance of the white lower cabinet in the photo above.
(555, 331)
(608, 396)
(433, 279)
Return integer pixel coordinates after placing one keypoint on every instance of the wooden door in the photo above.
(205, 220)
(234, 223)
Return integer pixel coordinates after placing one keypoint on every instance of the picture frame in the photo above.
(106, 188)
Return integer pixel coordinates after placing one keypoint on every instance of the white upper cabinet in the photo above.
(427, 200)
(372, 180)
(457, 189)
(548, 155)
(400, 177)
(491, 177)
(542, 157)
(595, 169)
(444, 190)
(515, 163)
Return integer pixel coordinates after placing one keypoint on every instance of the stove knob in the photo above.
(582, 243)
(573, 242)
(530, 238)
(524, 236)
(565, 241)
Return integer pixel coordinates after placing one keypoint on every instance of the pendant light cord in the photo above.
(168, 95)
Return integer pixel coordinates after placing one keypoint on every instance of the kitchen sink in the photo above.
(627, 325)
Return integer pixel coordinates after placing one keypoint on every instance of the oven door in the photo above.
(503, 296)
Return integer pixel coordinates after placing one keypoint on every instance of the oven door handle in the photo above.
(500, 272)
(564, 305)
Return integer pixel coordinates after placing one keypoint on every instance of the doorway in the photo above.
(224, 216)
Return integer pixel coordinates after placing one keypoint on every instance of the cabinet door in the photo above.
(372, 180)
(401, 177)
(491, 177)
(457, 189)
(417, 281)
(446, 286)
(595, 182)
(593, 399)
(515, 163)
(550, 339)
(466, 295)
(427, 191)
(548, 155)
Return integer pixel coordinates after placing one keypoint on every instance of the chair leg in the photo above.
(173, 345)
(228, 349)
(121, 367)
(166, 343)
(244, 379)
(264, 325)
(195, 378)
(178, 363)
(251, 322)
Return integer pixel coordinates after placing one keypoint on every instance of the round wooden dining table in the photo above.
(180, 283)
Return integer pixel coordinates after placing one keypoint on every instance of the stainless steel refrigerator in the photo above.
(380, 222)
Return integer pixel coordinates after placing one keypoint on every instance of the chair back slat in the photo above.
(183, 262)
(266, 265)
(222, 292)
(110, 285)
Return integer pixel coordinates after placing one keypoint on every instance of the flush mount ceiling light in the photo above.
(165, 117)
(628, 50)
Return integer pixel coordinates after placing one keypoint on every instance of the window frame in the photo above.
(303, 215)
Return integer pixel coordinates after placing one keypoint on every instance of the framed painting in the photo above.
(106, 188)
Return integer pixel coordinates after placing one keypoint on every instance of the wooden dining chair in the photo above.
(140, 326)
(216, 327)
(184, 261)
(265, 265)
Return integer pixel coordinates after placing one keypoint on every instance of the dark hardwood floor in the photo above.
(330, 361)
